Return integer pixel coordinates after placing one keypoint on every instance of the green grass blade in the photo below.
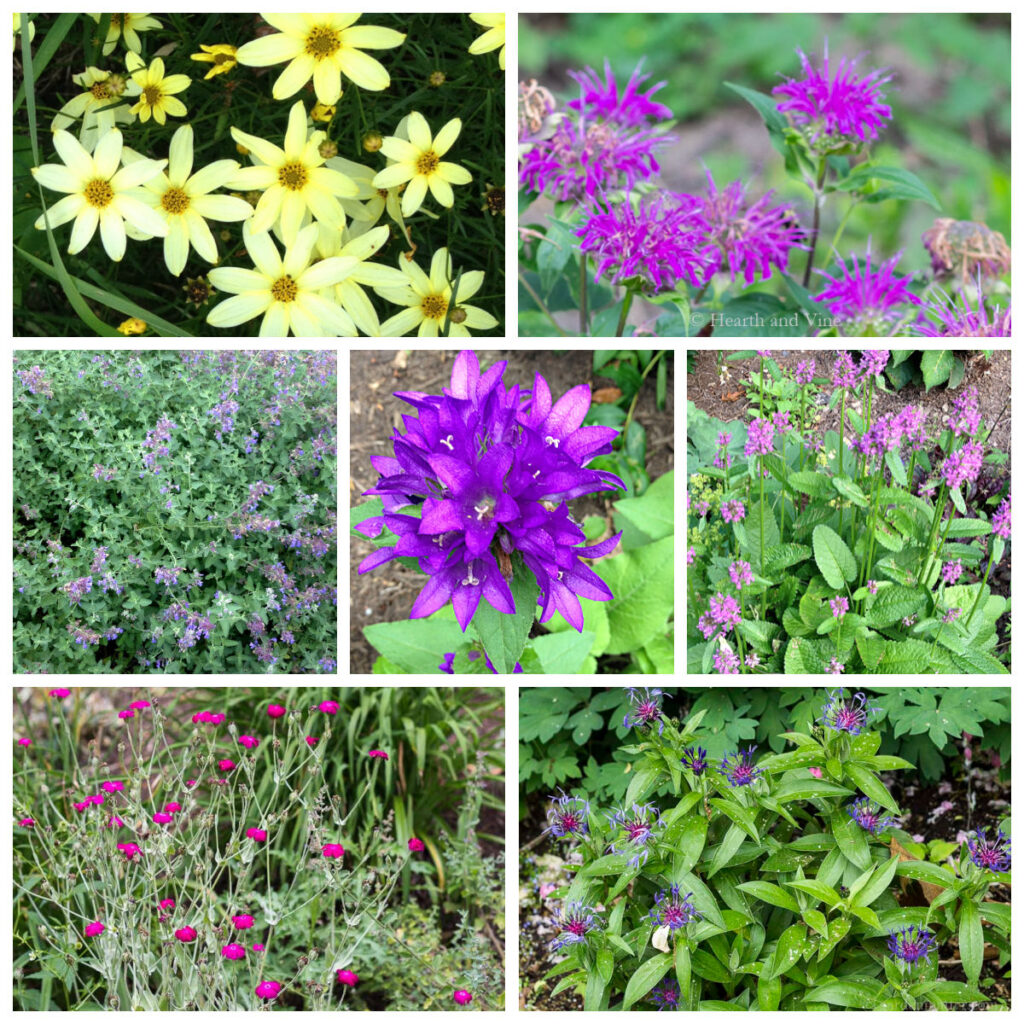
(54, 37)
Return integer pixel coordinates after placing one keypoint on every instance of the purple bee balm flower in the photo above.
(644, 709)
(804, 372)
(739, 768)
(1001, 519)
(911, 944)
(760, 438)
(956, 318)
(835, 104)
(962, 465)
(733, 511)
(695, 759)
(672, 910)
(665, 996)
(574, 922)
(840, 606)
(952, 571)
(637, 830)
(740, 573)
(863, 297)
(752, 238)
(568, 816)
(655, 243)
(990, 854)
(869, 816)
(492, 471)
(602, 98)
(727, 662)
(847, 714)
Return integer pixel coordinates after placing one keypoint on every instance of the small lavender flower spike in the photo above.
(567, 816)
(847, 714)
(869, 817)
(695, 759)
(673, 911)
(911, 944)
(639, 828)
(666, 995)
(574, 922)
(990, 854)
(644, 709)
(739, 768)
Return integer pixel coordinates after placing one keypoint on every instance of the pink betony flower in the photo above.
(276, 711)
(243, 921)
(256, 834)
(416, 845)
(268, 989)
(186, 934)
(334, 850)
(96, 928)
(462, 997)
(348, 978)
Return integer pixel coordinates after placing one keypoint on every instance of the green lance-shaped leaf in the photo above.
(834, 559)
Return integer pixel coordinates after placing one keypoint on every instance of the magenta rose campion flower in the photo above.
(257, 835)
(349, 978)
(269, 989)
(333, 850)
(95, 928)
(243, 921)
(186, 934)
(276, 711)
(416, 845)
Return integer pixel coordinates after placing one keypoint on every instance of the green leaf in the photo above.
(903, 185)
(860, 994)
(726, 849)
(504, 636)
(816, 919)
(806, 757)
(972, 941)
(596, 984)
(652, 514)
(896, 467)
(740, 815)
(817, 485)
(834, 559)
(923, 871)
(819, 890)
(782, 556)
(643, 582)
(805, 789)
(935, 367)
(894, 603)
(562, 653)
(690, 843)
(703, 899)
(906, 657)
(788, 951)
(645, 977)
(769, 992)
(957, 992)
(871, 786)
(772, 894)
(968, 528)
(415, 645)
(767, 107)
(837, 930)
(849, 490)
(850, 838)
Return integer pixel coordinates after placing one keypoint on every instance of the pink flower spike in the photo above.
(276, 711)
(462, 997)
(173, 807)
(268, 989)
(60, 694)
(256, 834)
(186, 934)
(163, 818)
(24, 741)
(312, 740)
(335, 850)
(816, 772)
(127, 713)
(27, 822)
(96, 928)
(233, 951)
(112, 786)
(225, 765)
(348, 978)
(416, 845)
(243, 921)
(167, 904)
(378, 753)
(328, 707)
(249, 742)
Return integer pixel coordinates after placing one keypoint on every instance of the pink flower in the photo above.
(268, 989)
(348, 977)
(378, 753)
(276, 711)
(416, 845)
(256, 834)
(167, 904)
(233, 951)
(173, 807)
(139, 704)
(24, 741)
(27, 822)
(163, 818)
(312, 740)
(96, 798)
(225, 765)
(96, 928)
(249, 742)
(127, 713)
(60, 694)
(335, 850)
(258, 947)
(462, 997)
(191, 782)
(186, 934)
(816, 772)
(112, 787)
(81, 806)
(328, 707)
(243, 921)
(129, 850)
(114, 822)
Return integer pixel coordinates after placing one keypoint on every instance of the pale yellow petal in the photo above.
(237, 280)
(293, 210)
(201, 236)
(57, 177)
(440, 270)
(138, 214)
(275, 323)
(62, 211)
(273, 49)
(265, 151)
(441, 190)
(84, 228)
(366, 72)
(268, 209)
(262, 251)
(447, 136)
(176, 246)
(294, 77)
(215, 175)
(179, 161)
(415, 193)
(325, 273)
(327, 83)
(295, 136)
(221, 207)
(372, 37)
(239, 308)
(454, 174)
(419, 133)
(401, 323)
(398, 149)
(478, 319)
(75, 158)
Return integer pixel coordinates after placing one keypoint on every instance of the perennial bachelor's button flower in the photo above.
(284, 291)
(128, 27)
(696, 760)
(186, 934)
(990, 854)
(380, 754)
(95, 106)
(95, 928)
(644, 708)
(323, 47)
(222, 56)
(847, 714)
(276, 711)
(416, 845)
(492, 38)
(574, 922)
(568, 816)
(182, 199)
(911, 944)
(665, 995)
(866, 298)
(155, 91)
(332, 850)
(428, 298)
(635, 829)
(869, 816)
(98, 194)
(257, 835)
(294, 180)
(462, 997)
(268, 989)
(348, 978)
(671, 910)
(739, 768)
(416, 160)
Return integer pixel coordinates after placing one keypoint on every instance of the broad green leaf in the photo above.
(805, 789)
(740, 815)
(504, 636)
(896, 467)
(724, 851)
(562, 653)
(902, 184)
(935, 367)
(871, 786)
(849, 490)
(837, 930)
(643, 582)
(806, 481)
(782, 556)
(861, 994)
(415, 645)
(816, 919)
(645, 977)
(834, 559)
(957, 992)
(788, 951)
(769, 992)
(905, 657)
(652, 514)
(850, 838)
(821, 892)
(596, 984)
(767, 892)
(690, 843)
(894, 603)
(805, 757)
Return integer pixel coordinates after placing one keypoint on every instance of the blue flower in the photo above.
(869, 817)
(846, 714)
(638, 828)
(695, 760)
(644, 709)
(666, 995)
(911, 944)
(673, 911)
(990, 854)
(739, 768)
(574, 922)
(567, 816)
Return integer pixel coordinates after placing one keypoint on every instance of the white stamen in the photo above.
(549, 440)
(481, 511)
(470, 580)
(448, 441)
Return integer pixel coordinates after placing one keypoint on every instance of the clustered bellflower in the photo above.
(492, 469)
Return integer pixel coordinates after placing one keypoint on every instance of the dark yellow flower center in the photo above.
(322, 41)
(98, 193)
(174, 200)
(223, 58)
(152, 95)
(426, 163)
(434, 307)
(284, 289)
(100, 91)
(293, 176)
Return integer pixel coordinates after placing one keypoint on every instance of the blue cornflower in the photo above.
(574, 922)
(666, 995)
(567, 816)
(695, 760)
(869, 817)
(739, 767)
(990, 854)
(644, 709)
(911, 944)
(672, 910)
(847, 714)
(638, 827)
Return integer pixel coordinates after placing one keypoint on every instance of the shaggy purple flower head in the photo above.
(990, 854)
(1001, 519)
(739, 768)
(644, 709)
(760, 438)
(741, 574)
(574, 922)
(954, 317)
(835, 105)
(869, 816)
(911, 944)
(602, 98)
(912, 423)
(695, 759)
(491, 471)
(847, 714)
(637, 829)
(665, 995)
(568, 816)
(733, 511)
(672, 910)
(866, 297)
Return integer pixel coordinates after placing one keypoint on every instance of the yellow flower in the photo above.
(322, 47)
(128, 25)
(492, 38)
(294, 179)
(222, 56)
(99, 193)
(284, 291)
(17, 30)
(418, 162)
(133, 325)
(322, 111)
(182, 199)
(427, 299)
(155, 90)
(101, 91)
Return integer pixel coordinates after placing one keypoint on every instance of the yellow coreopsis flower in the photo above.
(322, 47)
(102, 90)
(492, 38)
(183, 200)
(294, 179)
(98, 194)
(427, 299)
(133, 325)
(222, 56)
(129, 26)
(155, 90)
(417, 160)
(285, 292)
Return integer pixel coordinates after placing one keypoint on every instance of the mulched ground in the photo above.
(387, 593)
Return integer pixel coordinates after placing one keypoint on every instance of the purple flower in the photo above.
(739, 768)
(665, 995)
(952, 571)
(740, 573)
(655, 243)
(951, 615)
(574, 922)
(99, 556)
(805, 372)
(957, 319)
(1001, 519)
(727, 661)
(840, 606)
(155, 444)
(733, 511)
(780, 422)
(644, 709)
(869, 816)
(752, 660)
(725, 610)
(691, 552)
(695, 759)
(835, 104)
(962, 465)
(884, 435)
(847, 714)
(493, 472)
(911, 944)
(636, 829)
(966, 415)
(760, 438)
(568, 816)
(990, 854)
(36, 382)
(672, 910)
(872, 586)
(835, 667)
(752, 238)
(723, 460)
(912, 420)
(863, 297)
(168, 575)
(602, 99)
(77, 589)
(873, 362)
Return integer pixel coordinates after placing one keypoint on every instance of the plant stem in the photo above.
(839, 454)
(764, 594)
(818, 200)
(632, 404)
(981, 590)
(583, 296)
(626, 303)
(803, 435)
(532, 292)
